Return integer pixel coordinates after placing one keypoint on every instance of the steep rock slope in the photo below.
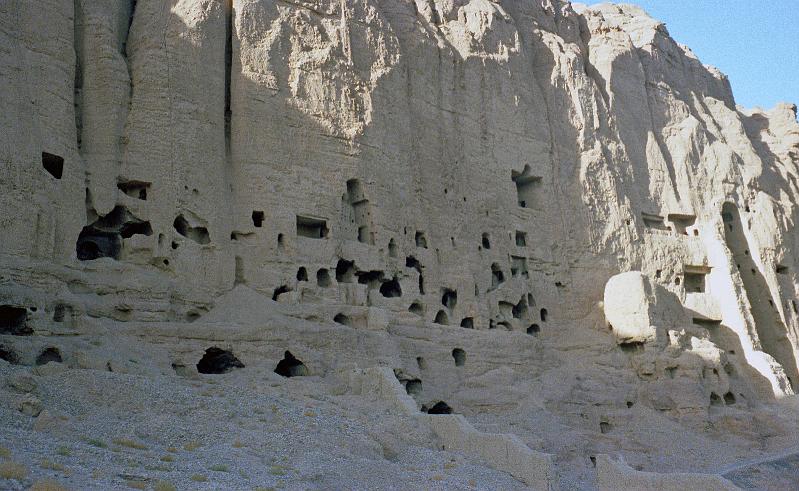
(397, 167)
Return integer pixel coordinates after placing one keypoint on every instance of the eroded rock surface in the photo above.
(554, 217)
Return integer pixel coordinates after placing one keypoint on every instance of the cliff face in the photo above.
(470, 163)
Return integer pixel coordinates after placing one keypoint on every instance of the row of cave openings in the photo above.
(694, 275)
(637, 347)
(413, 385)
(14, 318)
(217, 361)
(693, 278)
(769, 325)
(103, 238)
(14, 322)
(356, 220)
(45, 356)
(104, 235)
(680, 225)
(674, 223)
(356, 207)
(389, 287)
(347, 272)
(357, 217)
(768, 322)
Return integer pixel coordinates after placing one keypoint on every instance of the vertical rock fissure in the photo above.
(126, 55)
(77, 43)
(228, 69)
(124, 50)
(132, 13)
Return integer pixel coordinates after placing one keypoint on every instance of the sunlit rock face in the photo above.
(422, 175)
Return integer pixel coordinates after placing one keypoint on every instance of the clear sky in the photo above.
(754, 42)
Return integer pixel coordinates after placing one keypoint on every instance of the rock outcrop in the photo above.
(563, 193)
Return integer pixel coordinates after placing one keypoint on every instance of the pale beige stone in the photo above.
(21, 382)
(29, 405)
(466, 191)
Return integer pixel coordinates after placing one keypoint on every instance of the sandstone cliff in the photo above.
(380, 182)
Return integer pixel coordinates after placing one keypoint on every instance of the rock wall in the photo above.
(488, 165)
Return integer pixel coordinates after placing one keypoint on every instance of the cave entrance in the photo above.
(359, 212)
(103, 237)
(421, 240)
(342, 319)
(323, 278)
(694, 278)
(290, 366)
(312, 228)
(527, 186)
(654, 222)
(682, 223)
(497, 277)
(345, 271)
(439, 407)
(258, 218)
(459, 356)
(8, 354)
(198, 233)
(216, 361)
(134, 189)
(48, 355)
(449, 298)
(520, 310)
(391, 288)
(13, 320)
(413, 385)
(53, 164)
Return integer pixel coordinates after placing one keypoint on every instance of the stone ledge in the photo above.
(503, 452)
(616, 475)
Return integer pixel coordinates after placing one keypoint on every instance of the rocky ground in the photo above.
(243, 430)
(157, 428)
(446, 188)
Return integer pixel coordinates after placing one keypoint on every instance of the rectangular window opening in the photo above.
(695, 281)
(313, 228)
(654, 222)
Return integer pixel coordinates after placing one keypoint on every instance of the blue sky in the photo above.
(755, 42)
